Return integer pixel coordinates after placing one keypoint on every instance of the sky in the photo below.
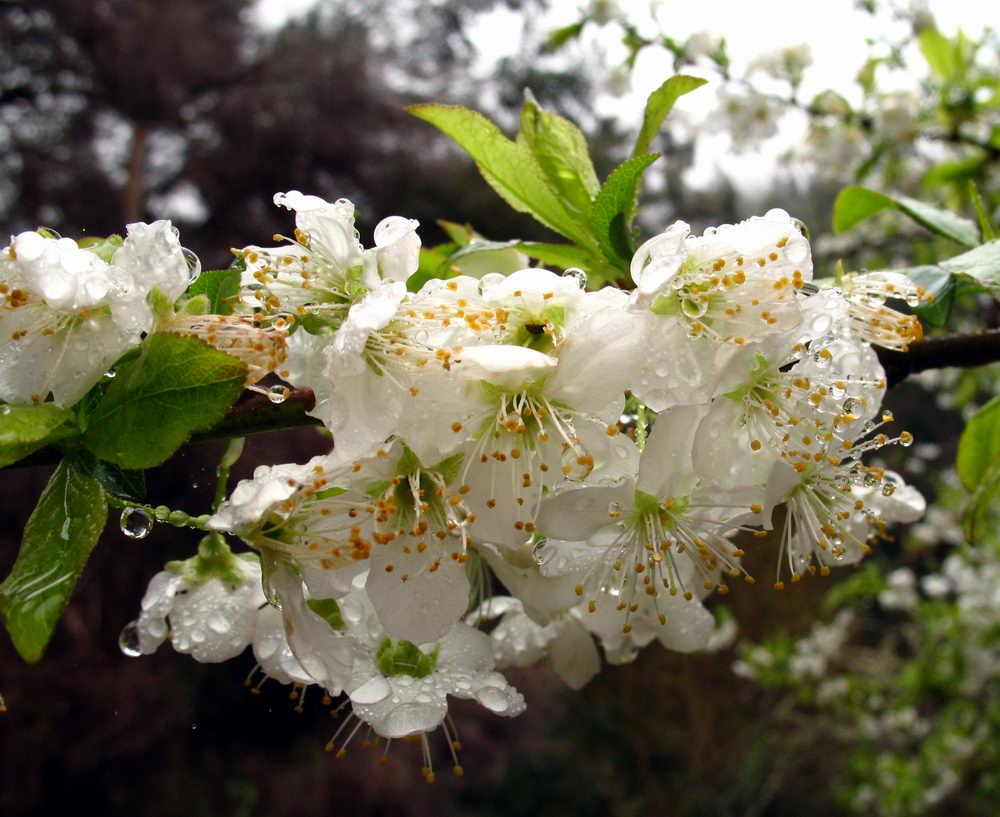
(835, 30)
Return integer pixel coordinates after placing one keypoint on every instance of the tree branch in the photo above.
(964, 351)
(256, 414)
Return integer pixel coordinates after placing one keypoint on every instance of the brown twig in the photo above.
(256, 414)
(964, 351)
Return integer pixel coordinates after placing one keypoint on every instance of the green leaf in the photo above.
(59, 536)
(558, 38)
(103, 248)
(937, 50)
(611, 218)
(177, 386)
(460, 234)
(509, 168)
(979, 445)
(561, 152)
(118, 482)
(26, 428)
(982, 502)
(939, 283)
(855, 204)
(430, 266)
(481, 257)
(220, 286)
(563, 256)
(985, 227)
(659, 104)
(982, 265)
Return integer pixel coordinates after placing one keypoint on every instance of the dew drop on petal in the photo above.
(136, 523)
(278, 394)
(851, 406)
(577, 275)
(128, 641)
(888, 489)
(536, 551)
(193, 263)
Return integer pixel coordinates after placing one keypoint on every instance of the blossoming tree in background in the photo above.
(540, 451)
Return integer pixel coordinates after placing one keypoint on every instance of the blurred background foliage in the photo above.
(874, 692)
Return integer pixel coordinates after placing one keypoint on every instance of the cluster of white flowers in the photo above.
(606, 455)
(67, 313)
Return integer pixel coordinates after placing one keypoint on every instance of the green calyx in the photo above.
(214, 561)
(647, 504)
(329, 611)
(394, 658)
(428, 481)
(757, 384)
(103, 248)
(538, 331)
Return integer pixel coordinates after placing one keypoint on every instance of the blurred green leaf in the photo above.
(558, 38)
(855, 204)
(430, 265)
(611, 219)
(982, 503)
(460, 234)
(939, 53)
(658, 106)
(985, 227)
(59, 536)
(561, 152)
(939, 283)
(563, 256)
(979, 445)
(509, 168)
(177, 386)
(982, 265)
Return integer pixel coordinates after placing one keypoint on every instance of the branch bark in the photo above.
(256, 414)
(963, 351)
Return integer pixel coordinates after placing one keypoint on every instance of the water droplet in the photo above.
(841, 481)
(874, 298)
(193, 263)
(576, 464)
(694, 307)
(887, 416)
(492, 279)
(822, 358)
(870, 480)
(889, 489)
(136, 523)
(577, 275)
(536, 551)
(851, 406)
(868, 427)
(218, 623)
(614, 509)
(111, 374)
(128, 641)
(278, 394)
(836, 392)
